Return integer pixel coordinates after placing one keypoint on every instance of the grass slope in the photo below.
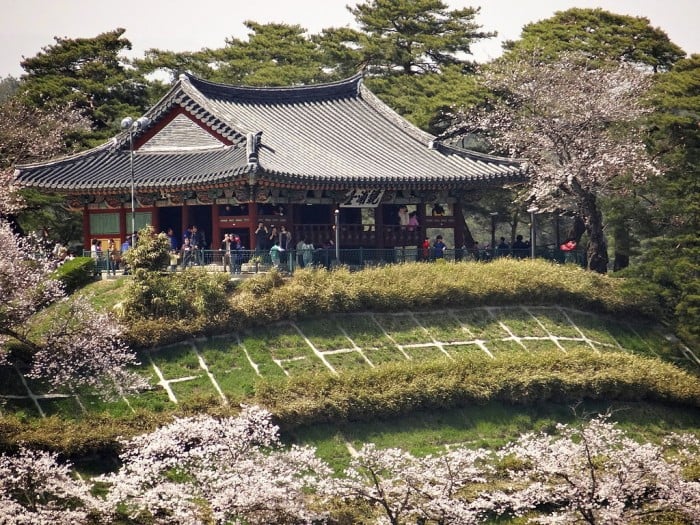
(334, 348)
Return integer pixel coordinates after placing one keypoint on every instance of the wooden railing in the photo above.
(355, 235)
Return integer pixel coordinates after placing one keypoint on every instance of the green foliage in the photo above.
(601, 35)
(668, 268)
(48, 211)
(273, 55)
(406, 37)
(87, 74)
(94, 434)
(673, 200)
(668, 259)
(76, 273)
(193, 292)
(506, 281)
(399, 389)
(150, 253)
(427, 100)
(8, 87)
(162, 308)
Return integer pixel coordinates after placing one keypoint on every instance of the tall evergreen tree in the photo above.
(671, 251)
(410, 37)
(600, 35)
(416, 54)
(87, 74)
(8, 87)
(273, 55)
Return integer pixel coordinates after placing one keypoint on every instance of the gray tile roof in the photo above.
(337, 135)
(108, 170)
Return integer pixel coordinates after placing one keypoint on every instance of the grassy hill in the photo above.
(503, 348)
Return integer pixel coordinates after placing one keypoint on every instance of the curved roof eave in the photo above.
(109, 171)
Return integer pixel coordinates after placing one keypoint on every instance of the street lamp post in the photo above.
(493, 214)
(131, 126)
(533, 231)
(337, 235)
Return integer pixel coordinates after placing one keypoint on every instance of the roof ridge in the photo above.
(324, 90)
(477, 155)
(111, 143)
(184, 151)
(392, 116)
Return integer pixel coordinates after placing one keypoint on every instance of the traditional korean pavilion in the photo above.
(225, 157)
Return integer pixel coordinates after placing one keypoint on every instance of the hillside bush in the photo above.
(504, 282)
(160, 307)
(150, 253)
(398, 389)
(387, 391)
(76, 273)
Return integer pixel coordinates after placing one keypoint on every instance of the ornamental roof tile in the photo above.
(337, 134)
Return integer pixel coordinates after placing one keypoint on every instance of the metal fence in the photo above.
(253, 261)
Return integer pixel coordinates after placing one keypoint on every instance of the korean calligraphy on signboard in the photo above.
(362, 199)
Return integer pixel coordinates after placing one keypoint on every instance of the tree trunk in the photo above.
(622, 247)
(597, 250)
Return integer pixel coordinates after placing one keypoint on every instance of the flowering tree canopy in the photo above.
(576, 126)
(36, 488)
(28, 134)
(232, 470)
(79, 347)
(596, 474)
(408, 489)
(200, 470)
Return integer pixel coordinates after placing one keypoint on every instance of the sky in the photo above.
(190, 25)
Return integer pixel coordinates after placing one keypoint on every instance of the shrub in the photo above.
(191, 293)
(397, 389)
(423, 286)
(76, 273)
(151, 252)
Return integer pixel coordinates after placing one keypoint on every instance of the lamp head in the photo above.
(130, 123)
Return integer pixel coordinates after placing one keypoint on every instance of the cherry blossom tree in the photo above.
(79, 347)
(200, 470)
(596, 474)
(29, 134)
(35, 488)
(408, 489)
(231, 470)
(25, 285)
(577, 126)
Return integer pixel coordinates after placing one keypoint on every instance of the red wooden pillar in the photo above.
(185, 221)
(123, 232)
(379, 225)
(253, 225)
(155, 220)
(459, 224)
(215, 227)
(86, 228)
